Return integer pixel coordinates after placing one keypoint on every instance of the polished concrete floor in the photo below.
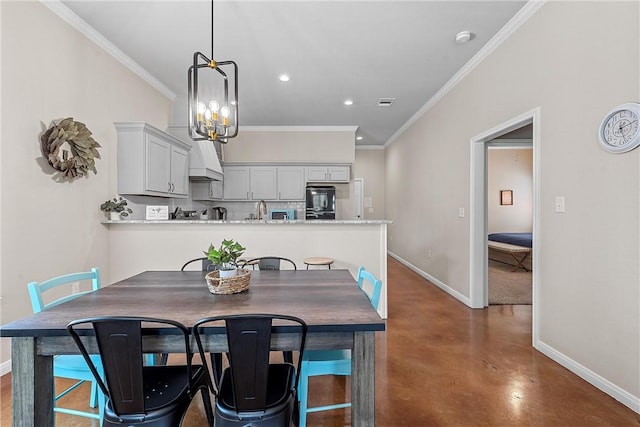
(442, 364)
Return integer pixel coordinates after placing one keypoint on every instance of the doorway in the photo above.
(510, 217)
(478, 274)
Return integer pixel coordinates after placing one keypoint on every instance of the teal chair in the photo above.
(331, 362)
(71, 366)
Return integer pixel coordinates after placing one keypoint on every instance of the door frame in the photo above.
(478, 274)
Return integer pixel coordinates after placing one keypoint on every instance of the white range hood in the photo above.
(203, 159)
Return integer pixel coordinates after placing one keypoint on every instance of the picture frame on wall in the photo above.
(506, 197)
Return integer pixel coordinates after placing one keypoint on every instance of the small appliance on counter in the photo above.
(321, 202)
(218, 213)
(282, 214)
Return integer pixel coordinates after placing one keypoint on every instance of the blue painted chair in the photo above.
(71, 366)
(332, 362)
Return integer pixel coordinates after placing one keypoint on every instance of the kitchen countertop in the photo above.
(253, 221)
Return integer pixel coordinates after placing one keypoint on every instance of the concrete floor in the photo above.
(442, 364)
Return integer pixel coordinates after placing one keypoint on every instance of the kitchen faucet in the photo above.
(262, 209)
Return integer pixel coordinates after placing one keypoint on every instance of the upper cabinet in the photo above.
(291, 184)
(236, 184)
(206, 190)
(151, 162)
(264, 183)
(328, 174)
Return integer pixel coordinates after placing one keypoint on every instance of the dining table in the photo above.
(338, 314)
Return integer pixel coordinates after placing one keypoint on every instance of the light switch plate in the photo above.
(559, 204)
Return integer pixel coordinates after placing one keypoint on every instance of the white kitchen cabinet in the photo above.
(206, 190)
(237, 183)
(328, 173)
(264, 183)
(151, 162)
(291, 185)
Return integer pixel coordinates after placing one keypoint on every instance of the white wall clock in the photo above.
(620, 129)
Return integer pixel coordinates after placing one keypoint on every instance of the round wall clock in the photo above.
(620, 130)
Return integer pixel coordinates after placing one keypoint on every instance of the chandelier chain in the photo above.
(212, 22)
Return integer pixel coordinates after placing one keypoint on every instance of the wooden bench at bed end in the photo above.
(519, 253)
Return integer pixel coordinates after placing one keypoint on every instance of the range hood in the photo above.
(204, 164)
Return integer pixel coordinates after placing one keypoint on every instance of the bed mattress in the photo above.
(519, 239)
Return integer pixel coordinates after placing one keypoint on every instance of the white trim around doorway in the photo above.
(478, 288)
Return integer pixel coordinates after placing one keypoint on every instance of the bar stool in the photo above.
(318, 261)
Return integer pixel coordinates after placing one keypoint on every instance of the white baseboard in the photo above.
(619, 394)
(457, 295)
(5, 367)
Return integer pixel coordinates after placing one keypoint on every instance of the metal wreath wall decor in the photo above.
(70, 149)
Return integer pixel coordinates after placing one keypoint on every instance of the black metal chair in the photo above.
(206, 264)
(138, 395)
(252, 390)
(272, 262)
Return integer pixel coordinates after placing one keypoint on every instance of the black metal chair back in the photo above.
(252, 390)
(206, 264)
(272, 262)
(138, 394)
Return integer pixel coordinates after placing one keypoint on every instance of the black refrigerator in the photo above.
(321, 202)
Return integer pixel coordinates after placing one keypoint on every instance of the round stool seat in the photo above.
(318, 261)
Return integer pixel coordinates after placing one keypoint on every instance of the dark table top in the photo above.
(328, 300)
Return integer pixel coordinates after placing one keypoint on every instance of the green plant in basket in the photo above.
(225, 257)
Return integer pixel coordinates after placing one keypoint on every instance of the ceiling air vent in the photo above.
(386, 102)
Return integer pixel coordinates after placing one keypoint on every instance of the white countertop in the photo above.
(254, 221)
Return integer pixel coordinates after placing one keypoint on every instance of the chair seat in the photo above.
(329, 362)
(281, 379)
(74, 363)
(165, 391)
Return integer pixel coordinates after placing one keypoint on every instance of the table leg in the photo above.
(31, 384)
(363, 373)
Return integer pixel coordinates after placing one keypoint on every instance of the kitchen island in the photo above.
(139, 245)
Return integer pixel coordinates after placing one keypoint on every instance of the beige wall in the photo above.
(50, 71)
(570, 63)
(369, 166)
(289, 145)
(510, 169)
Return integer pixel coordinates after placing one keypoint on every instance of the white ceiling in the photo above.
(333, 50)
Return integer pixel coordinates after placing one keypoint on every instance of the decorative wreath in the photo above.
(77, 138)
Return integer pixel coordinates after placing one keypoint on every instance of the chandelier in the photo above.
(213, 115)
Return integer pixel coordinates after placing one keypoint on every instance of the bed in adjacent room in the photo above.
(512, 248)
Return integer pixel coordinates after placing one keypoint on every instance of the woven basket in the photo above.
(228, 285)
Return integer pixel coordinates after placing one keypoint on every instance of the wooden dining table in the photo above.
(338, 314)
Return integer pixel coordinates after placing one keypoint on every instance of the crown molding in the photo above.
(298, 128)
(89, 32)
(527, 11)
(369, 147)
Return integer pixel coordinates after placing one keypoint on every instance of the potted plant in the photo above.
(226, 257)
(116, 208)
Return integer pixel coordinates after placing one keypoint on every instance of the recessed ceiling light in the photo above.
(359, 138)
(463, 37)
(348, 102)
(284, 78)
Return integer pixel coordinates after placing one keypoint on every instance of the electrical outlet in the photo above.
(75, 288)
(429, 253)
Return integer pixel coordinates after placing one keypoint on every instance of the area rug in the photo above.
(507, 286)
